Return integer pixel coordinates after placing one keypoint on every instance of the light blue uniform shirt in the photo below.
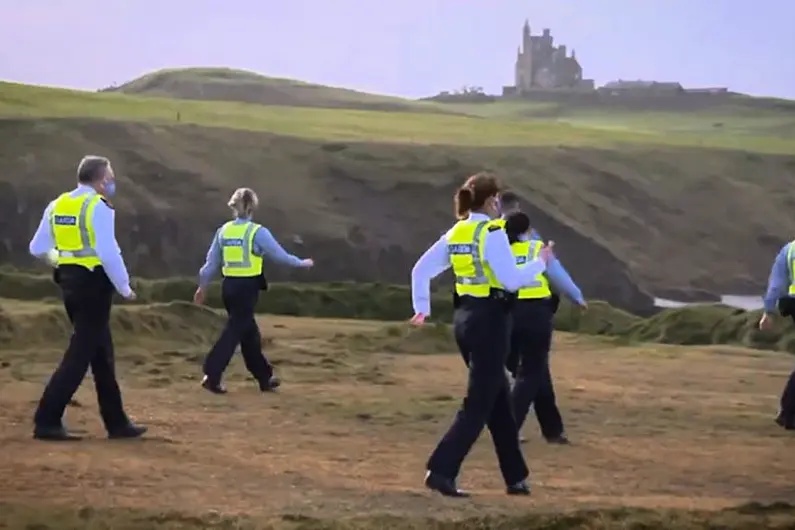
(265, 245)
(559, 279)
(497, 254)
(779, 281)
(103, 221)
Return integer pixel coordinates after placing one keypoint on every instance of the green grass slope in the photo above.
(226, 84)
(431, 128)
(630, 208)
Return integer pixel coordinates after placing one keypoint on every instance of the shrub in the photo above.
(693, 325)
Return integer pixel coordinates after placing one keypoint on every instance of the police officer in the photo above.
(237, 249)
(485, 273)
(532, 338)
(780, 297)
(77, 230)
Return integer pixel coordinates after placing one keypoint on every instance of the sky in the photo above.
(410, 48)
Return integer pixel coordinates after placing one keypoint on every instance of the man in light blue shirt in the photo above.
(239, 258)
(545, 405)
(780, 297)
(77, 235)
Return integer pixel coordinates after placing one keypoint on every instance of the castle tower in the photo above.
(524, 61)
(527, 45)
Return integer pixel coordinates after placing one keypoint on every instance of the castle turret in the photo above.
(524, 61)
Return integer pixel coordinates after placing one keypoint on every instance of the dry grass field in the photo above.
(657, 430)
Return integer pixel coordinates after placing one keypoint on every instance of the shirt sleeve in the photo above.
(43, 240)
(431, 264)
(107, 248)
(561, 281)
(212, 263)
(266, 246)
(503, 263)
(779, 280)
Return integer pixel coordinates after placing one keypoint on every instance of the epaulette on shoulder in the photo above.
(107, 202)
(494, 228)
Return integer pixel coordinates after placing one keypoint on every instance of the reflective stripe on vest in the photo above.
(465, 244)
(72, 231)
(237, 250)
(526, 251)
(791, 267)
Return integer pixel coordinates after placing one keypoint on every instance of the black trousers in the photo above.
(528, 361)
(480, 327)
(87, 297)
(786, 306)
(240, 297)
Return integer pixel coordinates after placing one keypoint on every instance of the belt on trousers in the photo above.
(501, 296)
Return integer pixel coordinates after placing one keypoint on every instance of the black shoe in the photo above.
(128, 432)
(560, 439)
(443, 485)
(271, 384)
(787, 422)
(54, 434)
(520, 488)
(215, 388)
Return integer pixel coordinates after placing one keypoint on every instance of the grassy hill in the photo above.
(225, 84)
(656, 200)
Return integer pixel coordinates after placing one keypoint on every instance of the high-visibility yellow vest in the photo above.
(791, 267)
(526, 251)
(72, 230)
(499, 222)
(466, 243)
(237, 249)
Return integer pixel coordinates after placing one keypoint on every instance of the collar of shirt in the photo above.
(478, 217)
(242, 219)
(83, 188)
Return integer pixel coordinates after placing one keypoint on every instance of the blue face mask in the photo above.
(110, 188)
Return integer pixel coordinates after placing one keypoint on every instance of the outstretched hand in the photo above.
(198, 296)
(417, 320)
(766, 322)
(548, 252)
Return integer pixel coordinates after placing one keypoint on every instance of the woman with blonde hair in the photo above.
(237, 250)
(486, 276)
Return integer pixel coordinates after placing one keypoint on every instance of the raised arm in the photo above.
(107, 248)
(43, 240)
(431, 264)
(267, 246)
(503, 263)
(212, 263)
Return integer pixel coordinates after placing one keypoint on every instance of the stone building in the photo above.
(540, 65)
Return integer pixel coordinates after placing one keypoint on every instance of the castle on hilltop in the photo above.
(540, 65)
(543, 68)
(546, 71)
